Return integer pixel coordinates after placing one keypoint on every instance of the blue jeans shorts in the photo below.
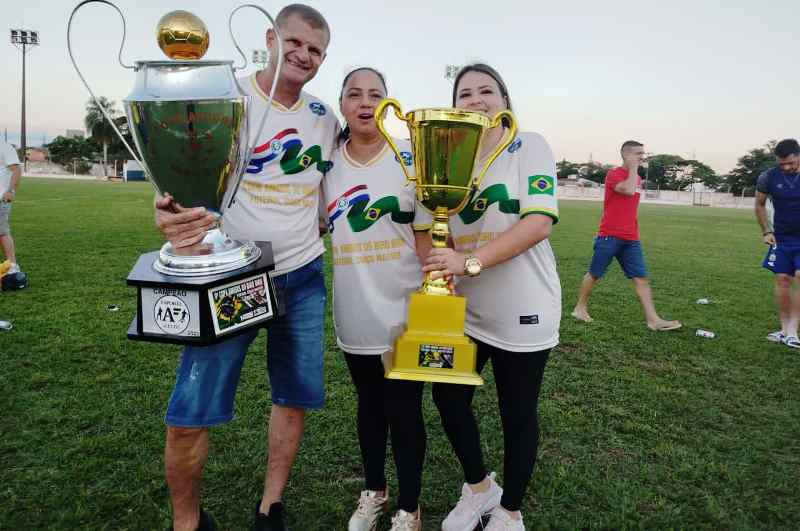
(783, 258)
(207, 377)
(627, 252)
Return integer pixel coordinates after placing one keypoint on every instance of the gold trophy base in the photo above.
(433, 347)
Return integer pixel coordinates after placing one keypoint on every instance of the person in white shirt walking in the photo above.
(10, 175)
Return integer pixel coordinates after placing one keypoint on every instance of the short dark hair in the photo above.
(344, 134)
(786, 148)
(489, 71)
(307, 13)
(630, 143)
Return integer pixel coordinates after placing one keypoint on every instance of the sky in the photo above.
(701, 79)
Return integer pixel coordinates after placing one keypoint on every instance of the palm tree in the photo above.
(98, 127)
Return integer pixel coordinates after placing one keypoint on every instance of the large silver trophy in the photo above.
(189, 121)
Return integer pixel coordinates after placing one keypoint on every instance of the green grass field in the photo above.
(639, 429)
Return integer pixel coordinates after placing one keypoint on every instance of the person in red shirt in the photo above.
(618, 237)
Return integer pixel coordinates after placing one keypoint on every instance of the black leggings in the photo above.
(383, 403)
(373, 428)
(518, 377)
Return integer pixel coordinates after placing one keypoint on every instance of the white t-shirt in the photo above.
(370, 213)
(278, 198)
(516, 305)
(8, 157)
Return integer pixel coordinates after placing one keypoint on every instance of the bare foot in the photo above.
(662, 325)
(581, 315)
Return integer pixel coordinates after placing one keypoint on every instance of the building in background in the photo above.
(133, 171)
(37, 154)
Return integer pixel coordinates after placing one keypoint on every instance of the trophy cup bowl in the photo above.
(446, 145)
(189, 121)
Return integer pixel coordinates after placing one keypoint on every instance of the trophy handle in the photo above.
(379, 112)
(275, 78)
(85, 84)
(512, 133)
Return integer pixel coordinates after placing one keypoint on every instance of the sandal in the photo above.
(665, 326)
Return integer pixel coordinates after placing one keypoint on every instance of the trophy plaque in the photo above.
(446, 144)
(188, 119)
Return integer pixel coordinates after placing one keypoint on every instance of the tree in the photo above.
(743, 177)
(594, 171)
(566, 168)
(664, 170)
(99, 128)
(701, 173)
(72, 151)
(673, 172)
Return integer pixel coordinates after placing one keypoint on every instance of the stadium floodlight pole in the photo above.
(260, 57)
(24, 39)
(451, 71)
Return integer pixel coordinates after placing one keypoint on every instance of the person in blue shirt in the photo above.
(781, 185)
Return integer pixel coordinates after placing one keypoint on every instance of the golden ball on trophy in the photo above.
(182, 35)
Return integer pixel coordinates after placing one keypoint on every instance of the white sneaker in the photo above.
(471, 506)
(403, 521)
(502, 521)
(369, 510)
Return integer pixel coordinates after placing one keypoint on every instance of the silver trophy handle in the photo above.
(275, 78)
(85, 84)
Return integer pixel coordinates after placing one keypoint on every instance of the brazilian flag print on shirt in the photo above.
(541, 185)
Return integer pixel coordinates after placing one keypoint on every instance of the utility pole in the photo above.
(23, 40)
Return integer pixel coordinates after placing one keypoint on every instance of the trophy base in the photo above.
(433, 347)
(216, 254)
(201, 311)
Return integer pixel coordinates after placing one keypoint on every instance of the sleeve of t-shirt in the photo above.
(537, 178)
(422, 218)
(322, 211)
(9, 155)
(615, 176)
(762, 184)
(332, 139)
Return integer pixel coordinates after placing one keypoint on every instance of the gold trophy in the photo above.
(446, 145)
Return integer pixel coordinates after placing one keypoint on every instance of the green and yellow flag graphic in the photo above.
(541, 185)
(362, 216)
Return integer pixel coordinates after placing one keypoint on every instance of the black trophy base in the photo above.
(201, 310)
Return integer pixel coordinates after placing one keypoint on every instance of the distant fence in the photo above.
(669, 197)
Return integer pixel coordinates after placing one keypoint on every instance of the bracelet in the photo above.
(767, 232)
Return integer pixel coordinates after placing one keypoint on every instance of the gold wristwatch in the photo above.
(472, 265)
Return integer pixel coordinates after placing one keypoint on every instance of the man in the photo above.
(10, 173)
(781, 185)
(278, 202)
(618, 237)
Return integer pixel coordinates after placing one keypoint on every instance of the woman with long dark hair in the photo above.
(376, 263)
(502, 262)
